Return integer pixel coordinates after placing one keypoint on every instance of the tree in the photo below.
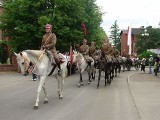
(23, 22)
(115, 35)
(151, 41)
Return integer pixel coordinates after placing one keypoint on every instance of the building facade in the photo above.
(124, 47)
(7, 67)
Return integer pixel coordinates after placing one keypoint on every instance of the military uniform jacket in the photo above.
(92, 50)
(105, 49)
(84, 49)
(49, 41)
(115, 52)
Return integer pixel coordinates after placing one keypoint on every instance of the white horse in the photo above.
(83, 65)
(42, 67)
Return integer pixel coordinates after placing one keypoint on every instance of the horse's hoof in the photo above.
(35, 107)
(60, 98)
(89, 82)
(79, 85)
(45, 102)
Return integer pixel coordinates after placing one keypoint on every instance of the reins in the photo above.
(29, 63)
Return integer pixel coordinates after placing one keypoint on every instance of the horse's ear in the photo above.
(15, 54)
(21, 53)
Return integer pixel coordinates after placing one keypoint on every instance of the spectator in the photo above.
(150, 64)
(143, 64)
(156, 64)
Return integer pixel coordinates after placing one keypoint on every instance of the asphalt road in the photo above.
(113, 102)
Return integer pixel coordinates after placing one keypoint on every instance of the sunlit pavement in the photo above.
(145, 89)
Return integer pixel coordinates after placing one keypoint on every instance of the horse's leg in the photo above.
(119, 70)
(62, 84)
(116, 71)
(60, 81)
(109, 77)
(62, 87)
(89, 76)
(42, 79)
(105, 77)
(99, 77)
(45, 93)
(59, 84)
(80, 80)
(93, 74)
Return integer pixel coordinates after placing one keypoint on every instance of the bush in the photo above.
(3, 51)
(147, 54)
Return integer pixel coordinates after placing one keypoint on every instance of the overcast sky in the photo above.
(136, 13)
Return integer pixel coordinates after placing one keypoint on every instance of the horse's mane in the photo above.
(34, 54)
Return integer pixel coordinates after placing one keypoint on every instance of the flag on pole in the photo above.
(71, 55)
(84, 28)
(129, 39)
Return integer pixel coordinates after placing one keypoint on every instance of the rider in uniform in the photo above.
(49, 45)
(105, 48)
(115, 52)
(84, 49)
(92, 49)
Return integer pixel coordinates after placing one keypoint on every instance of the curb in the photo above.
(128, 81)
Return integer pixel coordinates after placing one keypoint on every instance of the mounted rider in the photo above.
(92, 49)
(106, 49)
(84, 50)
(49, 45)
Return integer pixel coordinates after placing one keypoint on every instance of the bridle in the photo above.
(27, 64)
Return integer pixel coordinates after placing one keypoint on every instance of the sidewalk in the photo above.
(145, 89)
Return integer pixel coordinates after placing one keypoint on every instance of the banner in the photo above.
(71, 55)
(84, 28)
(129, 39)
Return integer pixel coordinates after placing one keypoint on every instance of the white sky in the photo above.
(136, 13)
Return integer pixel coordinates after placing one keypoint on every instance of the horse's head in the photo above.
(77, 57)
(108, 58)
(75, 53)
(23, 62)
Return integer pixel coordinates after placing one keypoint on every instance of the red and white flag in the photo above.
(71, 55)
(84, 28)
(129, 39)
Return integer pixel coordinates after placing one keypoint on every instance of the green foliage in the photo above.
(23, 21)
(147, 54)
(3, 52)
(115, 35)
(148, 42)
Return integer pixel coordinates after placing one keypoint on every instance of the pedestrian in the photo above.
(156, 64)
(143, 64)
(150, 64)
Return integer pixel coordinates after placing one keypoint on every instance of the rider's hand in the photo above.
(43, 47)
